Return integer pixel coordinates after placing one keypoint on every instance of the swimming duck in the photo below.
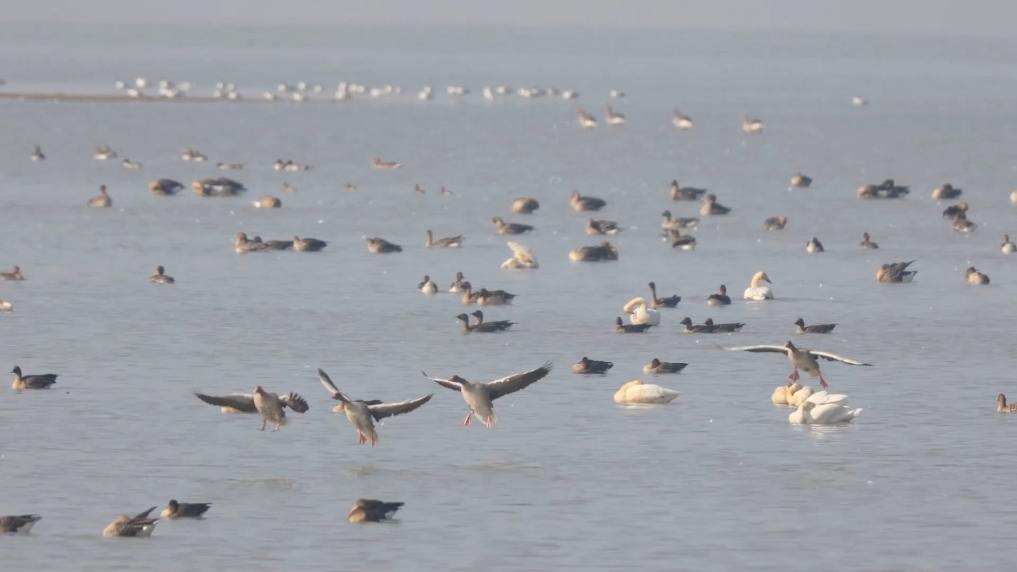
(668, 302)
(813, 246)
(5, 306)
(288, 188)
(975, 277)
(757, 293)
(217, 187)
(371, 510)
(104, 153)
(1003, 407)
(775, 223)
(613, 117)
(37, 381)
(193, 155)
(867, 242)
(363, 414)
(822, 408)
(680, 241)
(602, 252)
(891, 190)
(229, 166)
(267, 202)
(595, 227)
(458, 284)
(427, 286)
(581, 203)
(859, 101)
(242, 244)
(102, 200)
(623, 328)
(509, 227)
(946, 192)
(800, 181)
(720, 298)
(244, 402)
(1008, 247)
(751, 124)
(525, 205)
(137, 526)
(479, 397)
(522, 258)
(803, 359)
(159, 276)
(129, 164)
(962, 224)
(722, 328)
(485, 297)
(712, 207)
(680, 193)
(801, 328)
(895, 272)
(175, 510)
(377, 163)
(377, 245)
(590, 366)
(586, 121)
(636, 392)
(449, 242)
(681, 121)
(677, 223)
(689, 328)
(495, 326)
(165, 187)
(13, 274)
(37, 154)
(640, 313)
(308, 244)
(18, 523)
(658, 367)
(953, 210)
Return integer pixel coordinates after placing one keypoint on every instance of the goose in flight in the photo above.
(363, 414)
(480, 396)
(244, 402)
(801, 358)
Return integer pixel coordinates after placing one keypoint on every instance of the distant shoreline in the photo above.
(117, 97)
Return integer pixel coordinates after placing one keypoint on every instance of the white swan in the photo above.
(639, 313)
(782, 393)
(823, 408)
(635, 392)
(799, 396)
(757, 293)
(522, 258)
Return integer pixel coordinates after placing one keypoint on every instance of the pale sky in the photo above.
(953, 17)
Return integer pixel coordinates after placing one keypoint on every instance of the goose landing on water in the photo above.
(363, 414)
(801, 358)
(479, 397)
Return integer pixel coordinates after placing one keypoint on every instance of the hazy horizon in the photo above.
(936, 17)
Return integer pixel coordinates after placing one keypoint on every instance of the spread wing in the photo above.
(142, 516)
(238, 401)
(823, 398)
(295, 402)
(521, 253)
(381, 410)
(834, 357)
(330, 387)
(506, 385)
(759, 349)
(453, 385)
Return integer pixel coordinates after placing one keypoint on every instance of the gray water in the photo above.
(567, 479)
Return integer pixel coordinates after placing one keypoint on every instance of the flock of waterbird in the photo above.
(643, 313)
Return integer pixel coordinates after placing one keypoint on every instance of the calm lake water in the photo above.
(567, 480)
